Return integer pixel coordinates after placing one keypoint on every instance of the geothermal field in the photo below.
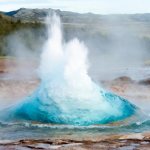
(71, 85)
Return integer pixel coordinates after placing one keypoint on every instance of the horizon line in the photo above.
(136, 13)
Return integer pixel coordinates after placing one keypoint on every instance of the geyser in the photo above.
(67, 95)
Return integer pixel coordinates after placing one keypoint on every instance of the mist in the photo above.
(124, 51)
(66, 90)
(113, 43)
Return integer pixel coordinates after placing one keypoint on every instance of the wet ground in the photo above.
(112, 142)
(18, 79)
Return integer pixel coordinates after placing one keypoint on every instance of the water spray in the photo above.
(67, 94)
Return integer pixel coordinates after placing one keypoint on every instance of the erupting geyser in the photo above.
(67, 95)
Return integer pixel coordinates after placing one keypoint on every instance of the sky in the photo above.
(81, 6)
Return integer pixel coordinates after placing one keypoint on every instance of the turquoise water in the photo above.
(68, 102)
(28, 120)
(32, 119)
(42, 108)
(30, 130)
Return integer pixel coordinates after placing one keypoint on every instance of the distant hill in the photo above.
(11, 13)
(10, 25)
(25, 14)
(30, 15)
(99, 32)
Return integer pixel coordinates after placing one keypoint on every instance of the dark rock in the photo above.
(124, 79)
(145, 81)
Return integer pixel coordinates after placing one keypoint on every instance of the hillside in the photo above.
(70, 17)
(10, 25)
(99, 32)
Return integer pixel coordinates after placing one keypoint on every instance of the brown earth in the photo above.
(15, 82)
(113, 142)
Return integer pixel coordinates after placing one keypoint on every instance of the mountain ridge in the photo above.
(99, 32)
(28, 15)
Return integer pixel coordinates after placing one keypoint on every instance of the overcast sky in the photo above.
(82, 6)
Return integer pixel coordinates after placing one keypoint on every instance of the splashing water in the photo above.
(67, 95)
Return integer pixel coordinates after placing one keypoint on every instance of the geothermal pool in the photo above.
(67, 101)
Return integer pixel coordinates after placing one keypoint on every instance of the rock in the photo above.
(6, 142)
(136, 136)
(145, 81)
(41, 146)
(124, 79)
(106, 144)
(32, 14)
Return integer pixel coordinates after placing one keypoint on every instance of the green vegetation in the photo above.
(99, 32)
(9, 25)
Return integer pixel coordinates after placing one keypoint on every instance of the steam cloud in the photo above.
(65, 64)
(67, 95)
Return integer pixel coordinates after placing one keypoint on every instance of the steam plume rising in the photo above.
(67, 95)
(64, 65)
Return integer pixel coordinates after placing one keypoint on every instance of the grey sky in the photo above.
(82, 6)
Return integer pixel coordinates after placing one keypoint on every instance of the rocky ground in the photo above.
(138, 92)
(15, 81)
(112, 142)
(15, 84)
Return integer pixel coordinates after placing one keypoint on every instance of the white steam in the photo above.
(64, 66)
